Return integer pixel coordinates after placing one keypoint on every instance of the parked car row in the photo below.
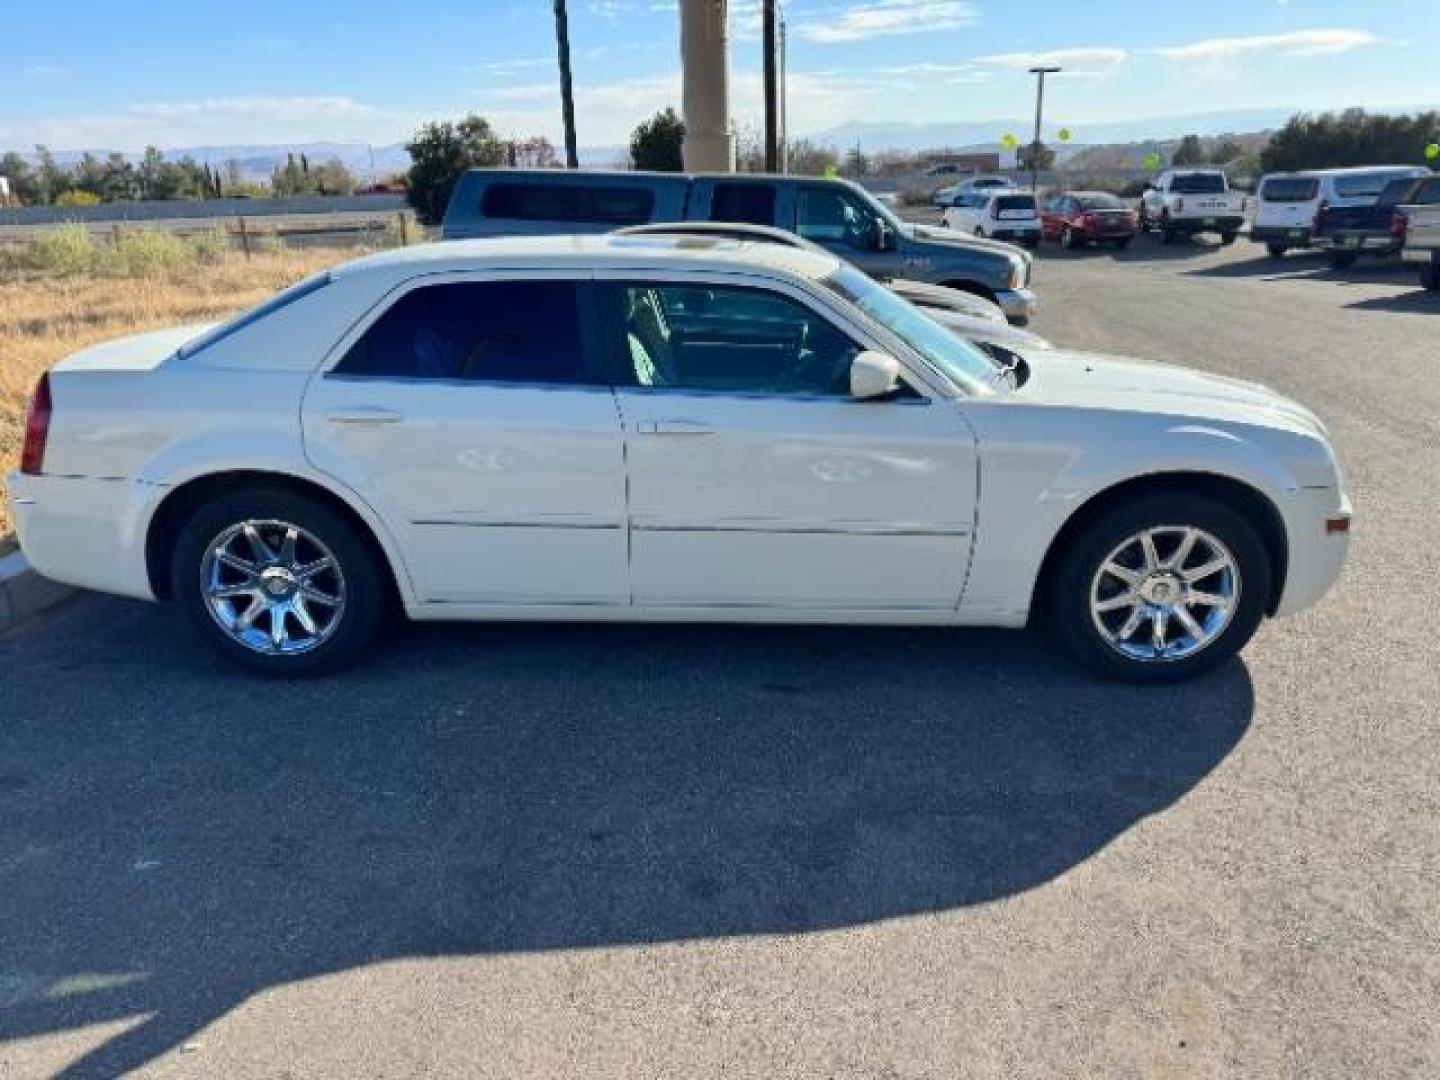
(1347, 213)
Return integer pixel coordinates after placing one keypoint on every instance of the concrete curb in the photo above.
(23, 592)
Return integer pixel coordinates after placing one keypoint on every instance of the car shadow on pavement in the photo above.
(1308, 266)
(175, 838)
(1143, 249)
(1420, 300)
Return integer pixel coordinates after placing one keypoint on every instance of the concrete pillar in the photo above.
(704, 58)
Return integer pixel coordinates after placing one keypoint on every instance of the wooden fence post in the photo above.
(244, 238)
(404, 230)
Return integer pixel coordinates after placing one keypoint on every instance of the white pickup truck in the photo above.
(1183, 202)
(1420, 219)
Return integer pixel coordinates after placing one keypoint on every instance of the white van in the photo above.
(1290, 203)
(1000, 214)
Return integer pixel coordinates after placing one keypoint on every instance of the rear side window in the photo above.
(1198, 184)
(753, 204)
(282, 299)
(1427, 193)
(1290, 189)
(1099, 202)
(481, 331)
(604, 204)
(1362, 185)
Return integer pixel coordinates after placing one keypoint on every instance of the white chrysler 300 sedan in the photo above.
(665, 429)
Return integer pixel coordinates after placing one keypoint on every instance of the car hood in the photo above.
(1093, 380)
(138, 352)
(943, 298)
(932, 235)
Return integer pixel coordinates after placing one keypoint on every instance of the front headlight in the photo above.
(1019, 274)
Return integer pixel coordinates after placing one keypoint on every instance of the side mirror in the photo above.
(884, 235)
(874, 375)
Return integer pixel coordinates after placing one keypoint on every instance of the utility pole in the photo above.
(772, 103)
(1040, 73)
(784, 105)
(567, 94)
(704, 57)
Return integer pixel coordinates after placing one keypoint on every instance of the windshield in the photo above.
(1015, 202)
(958, 360)
(1199, 183)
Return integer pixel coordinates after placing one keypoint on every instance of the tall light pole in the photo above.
(784, 105)
(1039, 72)
(772, 103)
(704, 57)
(567, 94)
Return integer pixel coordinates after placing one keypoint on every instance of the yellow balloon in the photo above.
(1009, 141)
(1064, 134)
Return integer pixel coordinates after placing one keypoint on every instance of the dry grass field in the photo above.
(51, 308)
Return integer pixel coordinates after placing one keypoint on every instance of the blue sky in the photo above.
(85, 73)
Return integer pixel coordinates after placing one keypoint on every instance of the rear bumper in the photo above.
(1023, 233)
(1207, 224)
(1370, 243)
(1316, 555)
(1420, 255)
(85, 532)
(1294, 238)
(1018, 304)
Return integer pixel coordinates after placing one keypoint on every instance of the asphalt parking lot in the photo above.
(531, 851)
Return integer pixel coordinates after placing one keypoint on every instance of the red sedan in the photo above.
(1077, 218)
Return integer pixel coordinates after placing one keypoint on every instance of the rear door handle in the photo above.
(364, 415)
(674, 427)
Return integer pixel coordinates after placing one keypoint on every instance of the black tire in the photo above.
(1067, 238)
(1076, 569)
(980, 231)
(1276, 251)
(1032, 243)
(1123, 243)
(1341, 260)
(1430, 276)
(1228, 238)
(1167, 235)
(365, 590)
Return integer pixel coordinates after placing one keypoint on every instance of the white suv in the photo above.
(1291, 204)
(1000, 215)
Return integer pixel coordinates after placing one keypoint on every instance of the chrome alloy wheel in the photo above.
(273, 587)
(1165, 593)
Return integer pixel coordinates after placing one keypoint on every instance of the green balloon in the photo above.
(1064, 134)
(1432, 151)
(1152, 160)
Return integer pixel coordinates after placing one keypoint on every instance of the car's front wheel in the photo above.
(278, 583)
(1276, 251)
(1430, 276)
(1161, 589)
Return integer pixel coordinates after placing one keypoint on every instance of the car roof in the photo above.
(595, 252)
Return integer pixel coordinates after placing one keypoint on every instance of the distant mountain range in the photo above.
(365, 161)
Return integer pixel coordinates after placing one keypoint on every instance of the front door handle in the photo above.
(360, 415)
(674, 427)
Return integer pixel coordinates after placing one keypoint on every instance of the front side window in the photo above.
(479, 331)
(833, 216)
(1363, 185)
(726, 338)
(753, 204)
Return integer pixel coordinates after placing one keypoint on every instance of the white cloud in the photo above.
(1296, 43)
(276, 109)
(880, 18)
(44, 71)
(1080, 62)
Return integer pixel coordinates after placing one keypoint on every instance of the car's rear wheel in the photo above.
(1228, 238)
(278, 583)
(1276, 251)
(1161, 589)
(1430, 276)
(1341, 260)
(1122, 243)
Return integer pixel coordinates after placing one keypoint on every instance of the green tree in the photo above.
(1226, 151)
(24, 184)
(439, 154)
(1189, 152)
(656, 143)
(1043, 153)
(1353, 137)
(856, 162)
(52, 180)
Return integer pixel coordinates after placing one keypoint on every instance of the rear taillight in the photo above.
(1398, 224)
(37, 428)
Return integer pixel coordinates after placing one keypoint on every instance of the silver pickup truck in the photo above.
(1422, 232)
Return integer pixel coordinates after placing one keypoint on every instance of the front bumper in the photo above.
(85, 532)
(1018, 304)
(1316, 554)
